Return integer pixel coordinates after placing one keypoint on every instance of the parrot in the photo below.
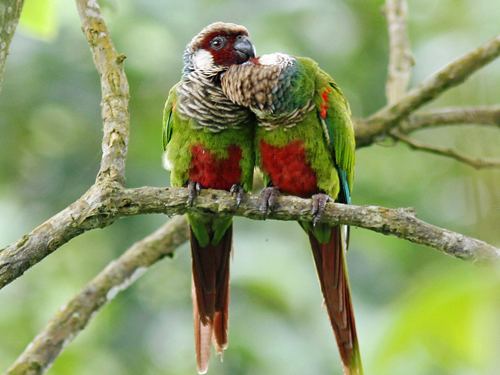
(208, 143)
(305, 146)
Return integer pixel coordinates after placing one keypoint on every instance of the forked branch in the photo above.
(379, 124)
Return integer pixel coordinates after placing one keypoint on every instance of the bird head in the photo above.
(216, 48)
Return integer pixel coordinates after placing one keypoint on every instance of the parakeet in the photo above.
(209, 144)
(305, 147)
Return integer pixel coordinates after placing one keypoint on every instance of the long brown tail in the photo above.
(210, 294)
(332, 272)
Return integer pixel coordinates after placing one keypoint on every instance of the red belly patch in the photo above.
(211, 172)
(288, 168)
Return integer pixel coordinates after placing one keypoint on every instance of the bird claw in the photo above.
(319, 202)
(194, 189)
(267, 199)
(237, 190)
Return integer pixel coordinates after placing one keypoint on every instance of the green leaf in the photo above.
(39, 19)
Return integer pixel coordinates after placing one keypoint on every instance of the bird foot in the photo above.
(319, 202)
(194, 189)
(267, 199)
(238, 192)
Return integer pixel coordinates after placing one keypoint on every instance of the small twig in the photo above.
(10, 11)
(451, 75)
(477, 163)
(114, 91)
(477, 115)
(400, 56)
(76, 314)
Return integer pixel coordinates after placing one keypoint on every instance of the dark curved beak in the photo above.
(244, 48)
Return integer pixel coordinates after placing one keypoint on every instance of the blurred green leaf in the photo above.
(264, 293)
(39, 19)
(443, 325)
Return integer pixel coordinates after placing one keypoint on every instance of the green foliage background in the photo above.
(418, 311)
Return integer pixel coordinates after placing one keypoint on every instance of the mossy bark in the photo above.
(10, 11)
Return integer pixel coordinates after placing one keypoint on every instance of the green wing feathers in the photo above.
(167, 116)
(335, 115)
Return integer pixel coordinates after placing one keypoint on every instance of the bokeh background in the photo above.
(418, 311)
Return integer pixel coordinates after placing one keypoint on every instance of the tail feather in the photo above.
(202, 335)
(210, 296)
(222, 301)
(330, 263)
(221, 316)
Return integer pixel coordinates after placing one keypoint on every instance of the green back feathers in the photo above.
(296, 86)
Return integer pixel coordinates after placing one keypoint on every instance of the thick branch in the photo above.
(451, 75)
(400, 57)
(398, 222)
(10, 11)
(76, 314)
(479, 115)
(477, 163)
(114, 90)
(96, 210)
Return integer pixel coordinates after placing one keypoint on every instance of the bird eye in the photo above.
(218, 42)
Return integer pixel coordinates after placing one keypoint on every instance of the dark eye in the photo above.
(218, 42)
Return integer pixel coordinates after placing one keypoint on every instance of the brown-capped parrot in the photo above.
(305, 147)
(209, 144)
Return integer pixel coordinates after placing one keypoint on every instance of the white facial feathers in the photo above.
(203, 60)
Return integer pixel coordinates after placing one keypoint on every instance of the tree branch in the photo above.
(400, 57)
(98, 211)
(114, 90)
(10, 12)
(480, 115)
(451, 75)
(477, 163)
(399, 222)
(76, 314)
